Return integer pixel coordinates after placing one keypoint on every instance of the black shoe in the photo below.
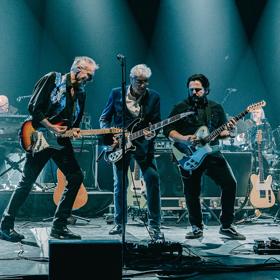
(195, 233)
(232, 233)
(63, 233)
(117, 229)
(156, 234)
(11, 235)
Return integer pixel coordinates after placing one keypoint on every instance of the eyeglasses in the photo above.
(141, 82)
(89, 74)
(195, 89)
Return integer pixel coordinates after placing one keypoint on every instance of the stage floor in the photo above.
(31, 256)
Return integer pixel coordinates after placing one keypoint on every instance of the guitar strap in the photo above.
(208, 115)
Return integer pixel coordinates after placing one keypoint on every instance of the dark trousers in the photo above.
(66, 162)
(151, 178)
(217, 168)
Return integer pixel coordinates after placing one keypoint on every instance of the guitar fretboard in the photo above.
(159, 125)
(217, 131)
(259, 141)
(86, 132)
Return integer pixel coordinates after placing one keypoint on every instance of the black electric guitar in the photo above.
(190, 156)
(261, 195)
(114, 154)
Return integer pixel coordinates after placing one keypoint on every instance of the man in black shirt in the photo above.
(56, 97)
(211, 115)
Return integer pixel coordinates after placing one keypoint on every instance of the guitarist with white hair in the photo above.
(56, 97)
(142, 105)
(211, 115)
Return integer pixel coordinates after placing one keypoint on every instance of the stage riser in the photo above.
(41, 205)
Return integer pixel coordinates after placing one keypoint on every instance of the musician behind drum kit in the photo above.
(5, 107)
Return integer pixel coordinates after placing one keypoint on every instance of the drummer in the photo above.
(258, 122)
(5, 106)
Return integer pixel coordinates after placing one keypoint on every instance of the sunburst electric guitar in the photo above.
(114, 154)
(36, 140)
(190, 156)
(136, 193)
(261, 195)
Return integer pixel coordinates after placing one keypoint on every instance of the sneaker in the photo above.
(195, 233)
(11, 235)
(232, 233)
(117, 229)
(63, 233)
(156, 234)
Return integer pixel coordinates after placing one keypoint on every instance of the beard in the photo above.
(198, 101)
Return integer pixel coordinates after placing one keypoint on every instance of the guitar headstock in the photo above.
(259, 136)
(255, 106)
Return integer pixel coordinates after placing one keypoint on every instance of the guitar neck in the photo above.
(260, 163)
(159, 125)
(136, 171)
(217, 131)
(87, 132)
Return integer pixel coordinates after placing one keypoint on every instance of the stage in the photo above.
(202, 258)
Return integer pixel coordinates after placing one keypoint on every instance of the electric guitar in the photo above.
(136, 192)
(191, 155)
(261, 195)
(36, 140)
(82, 195)
(114, 154)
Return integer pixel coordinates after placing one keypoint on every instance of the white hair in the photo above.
(140, 70)
(79, 59)
(262, 114)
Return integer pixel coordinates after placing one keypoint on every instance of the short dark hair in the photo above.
(199, 77)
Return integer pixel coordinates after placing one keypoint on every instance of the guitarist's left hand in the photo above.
(148, 134)
(230, 127)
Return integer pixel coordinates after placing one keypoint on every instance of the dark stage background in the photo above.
(234, 43)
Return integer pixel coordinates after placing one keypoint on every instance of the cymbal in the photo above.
(242, 125)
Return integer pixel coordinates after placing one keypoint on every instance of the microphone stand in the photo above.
(122, 60)
(228, 93)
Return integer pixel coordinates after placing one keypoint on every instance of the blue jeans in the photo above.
(151, 178)
(66, 162)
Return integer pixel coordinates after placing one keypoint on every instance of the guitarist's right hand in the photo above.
(185, 139)
(56, 128)
(115, 142)
(190, 139)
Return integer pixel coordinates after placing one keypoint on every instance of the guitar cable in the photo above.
(138, 203)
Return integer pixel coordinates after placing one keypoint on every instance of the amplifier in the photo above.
(163, 144)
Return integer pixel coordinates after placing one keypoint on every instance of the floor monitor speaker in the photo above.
(85, 259)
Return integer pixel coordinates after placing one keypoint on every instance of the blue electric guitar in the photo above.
(190, 156)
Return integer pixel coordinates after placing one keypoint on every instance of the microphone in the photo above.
(232, 90)
(120, 56)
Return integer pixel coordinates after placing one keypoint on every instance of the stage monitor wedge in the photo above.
(85, 259)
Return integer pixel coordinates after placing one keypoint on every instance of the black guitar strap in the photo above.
(208, 116)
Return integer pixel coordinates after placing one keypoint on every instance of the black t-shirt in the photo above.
(212, 116)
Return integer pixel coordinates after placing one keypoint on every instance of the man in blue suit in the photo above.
(141, 103)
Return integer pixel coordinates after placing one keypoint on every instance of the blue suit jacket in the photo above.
(150, 113)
